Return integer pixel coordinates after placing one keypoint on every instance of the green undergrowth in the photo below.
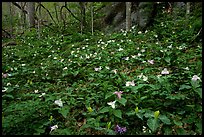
(83, 71)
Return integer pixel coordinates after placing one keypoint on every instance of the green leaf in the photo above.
(153, 124)
(178, 123)
(130, 113)
(105, 109)
(139, 86)
(199, 126)
(75, 73)
(199, 91)
(142, 98)
(165, 119)
(64, 111)
(167, 59)
(9, 96)
(149, 114)
(117, 113)
(108, 95)
(122, 101)
(167, 131)
(139, 115)
(181, 131)
(184, 87)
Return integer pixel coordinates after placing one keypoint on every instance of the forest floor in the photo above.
(132, 83)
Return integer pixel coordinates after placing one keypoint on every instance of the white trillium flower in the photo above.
(187, 68)
(5, 89)
(165, 71)
(145, 78)
(65, 68)
(98, 69)
(139, 54)
(130, 83)
(143, 50)
(140, 76)
(42, 94)
(115, 71)
(53, 128)
(59, 103)
(140, 32)
(133, 56)
(126, 58)
(112, 104)
(195, 78)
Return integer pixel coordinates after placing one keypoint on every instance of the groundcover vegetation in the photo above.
(136, 83)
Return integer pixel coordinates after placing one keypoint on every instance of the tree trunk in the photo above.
(82, 6)
(56, 5)
(92, 10)
(23, 16)
(187, 8)
(128, 15)
(39, 20)
(11, 16)
(31, 14)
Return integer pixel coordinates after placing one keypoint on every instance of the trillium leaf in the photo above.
(184, 87)
(122, 101)
(139, 115)
(64, 111)
(153, 124)
(165, 119)
(178, 123)
(167, 59)
(199, 91)
(108, 95)
(104, 110)
(117, 113)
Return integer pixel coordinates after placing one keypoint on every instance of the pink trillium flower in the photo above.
(118, 94)
(5, 75)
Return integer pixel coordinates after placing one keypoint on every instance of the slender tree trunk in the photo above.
(92, 10)
(11, 16)
(31, 14)
(188, 8)
(23, 4)
(56, 12)
(39, 20)
(128, 15)
(82, 6)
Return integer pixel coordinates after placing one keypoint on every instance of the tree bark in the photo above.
(11, 16)
(128, 15)
(92, 10)
(31, 14)
(187, 8)
(82, 6)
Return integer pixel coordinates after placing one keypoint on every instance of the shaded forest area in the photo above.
(101, 68)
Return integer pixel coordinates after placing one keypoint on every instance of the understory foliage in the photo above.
(134, 83)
